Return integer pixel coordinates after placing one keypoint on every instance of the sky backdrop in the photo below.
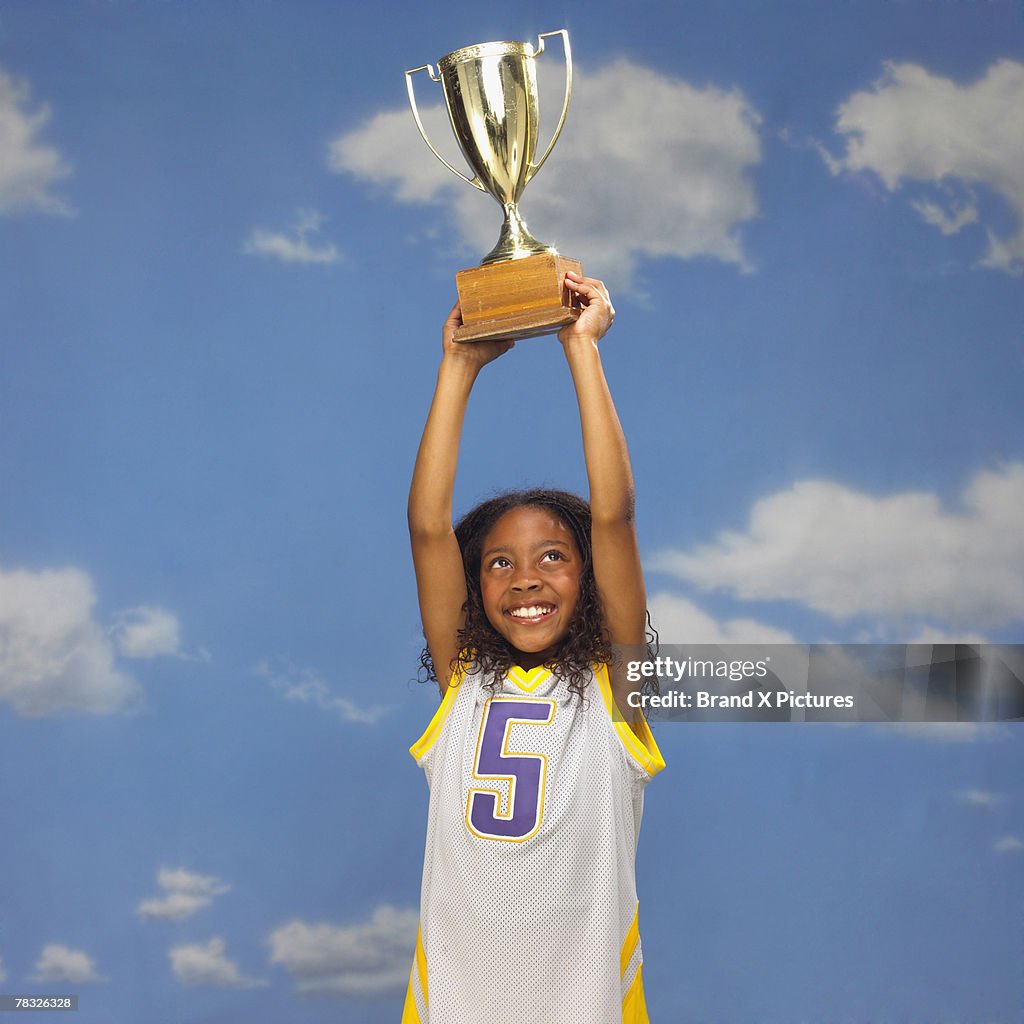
(226, 256)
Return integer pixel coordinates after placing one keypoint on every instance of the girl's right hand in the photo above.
(476, 353)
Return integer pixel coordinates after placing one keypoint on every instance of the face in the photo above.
(530, 581)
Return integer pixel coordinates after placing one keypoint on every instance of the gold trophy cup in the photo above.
(490, 90)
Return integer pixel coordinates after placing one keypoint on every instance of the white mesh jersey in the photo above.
(528, 910)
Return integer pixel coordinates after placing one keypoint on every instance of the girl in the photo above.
(535, 759)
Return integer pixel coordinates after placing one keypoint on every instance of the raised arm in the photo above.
(617, 569)
(440, 580)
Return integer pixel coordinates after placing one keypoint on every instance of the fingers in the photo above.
(451, 324)
(598, 313)
(580, 282)
(589, 289)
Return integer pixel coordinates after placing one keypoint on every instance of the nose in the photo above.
(524, 581)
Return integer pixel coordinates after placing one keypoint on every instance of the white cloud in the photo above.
(182, 880)
(147, 632)
(928, 634)
(916, 127)
(175, 906)
(1009, 844)
(300, 244)
(53, 656)
(28, 168)
(59, 964)
(949, 221)
(186, 894)
(208, 966)
(979, 798)
(844, 553)
(679, 621)
(307, 687)
(367, 959)
(648, 166)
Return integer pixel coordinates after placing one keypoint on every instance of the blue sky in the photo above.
(226, 259)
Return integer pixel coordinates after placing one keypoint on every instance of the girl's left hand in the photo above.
(598, 313)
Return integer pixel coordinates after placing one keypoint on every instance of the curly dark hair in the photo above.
(481, 647)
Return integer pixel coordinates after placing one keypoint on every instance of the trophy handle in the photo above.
(534, 168)
(419, 124)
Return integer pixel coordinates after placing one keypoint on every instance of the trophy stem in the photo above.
(515, 241)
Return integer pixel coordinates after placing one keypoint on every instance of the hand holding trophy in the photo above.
(490, 91)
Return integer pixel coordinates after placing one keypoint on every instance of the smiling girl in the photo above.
(535, 761)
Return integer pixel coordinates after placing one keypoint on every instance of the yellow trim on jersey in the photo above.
(421, 966)
(629, 942)
(430, 734)
(417, 976)
(528, 681)
(409, 1014)
(638, 739)
(634, 1006)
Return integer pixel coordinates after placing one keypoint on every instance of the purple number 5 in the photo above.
(519, 817)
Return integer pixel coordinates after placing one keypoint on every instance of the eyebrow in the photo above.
(539, 544)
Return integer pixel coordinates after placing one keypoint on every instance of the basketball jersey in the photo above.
(528, 911)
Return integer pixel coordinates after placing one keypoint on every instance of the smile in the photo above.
(532, 612)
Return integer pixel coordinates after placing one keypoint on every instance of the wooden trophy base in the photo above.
(518, 298)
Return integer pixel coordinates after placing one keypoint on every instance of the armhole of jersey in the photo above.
(637, 737)
(430, 734)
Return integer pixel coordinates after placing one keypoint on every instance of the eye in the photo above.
(500, 562)
(554, 555)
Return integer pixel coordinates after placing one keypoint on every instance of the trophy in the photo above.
(490, 90)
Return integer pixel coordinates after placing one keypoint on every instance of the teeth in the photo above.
(533, 612)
